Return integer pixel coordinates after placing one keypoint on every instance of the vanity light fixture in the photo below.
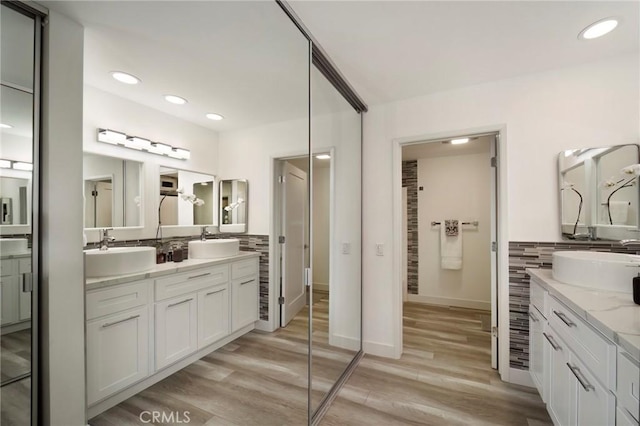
(5, 164)
(175, 99)
(213, 116)
(141, 144)
(19, 165)
(323, 156)
(459, 141)
(125, 78)
(598, 29)
(5, 126)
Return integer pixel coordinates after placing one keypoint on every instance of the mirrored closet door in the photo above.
(19, 100)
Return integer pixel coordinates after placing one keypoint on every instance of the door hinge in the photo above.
(281, 300)
(280, 179)
(281, 239)
(307, 277)
(494, 331)
(494, 246)
(494, 161)
(94, 193)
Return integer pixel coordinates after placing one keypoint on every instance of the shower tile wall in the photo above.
(256, 243)
(410, 181)
(524, 255)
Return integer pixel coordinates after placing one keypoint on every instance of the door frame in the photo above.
(501, 281)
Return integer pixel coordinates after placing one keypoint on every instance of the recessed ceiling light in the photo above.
(5, 126)
(598, 29)
(125, 78)
(459, 141)
(214, 116)
(175, 99)
(323, 156)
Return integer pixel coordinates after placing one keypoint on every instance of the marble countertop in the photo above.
(611, 313)
(163, 269)
(16, 255)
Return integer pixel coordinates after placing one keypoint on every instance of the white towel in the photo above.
(450, 248)
(619, 212)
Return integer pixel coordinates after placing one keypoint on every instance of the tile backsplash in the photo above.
(524, 255)
(410, 181)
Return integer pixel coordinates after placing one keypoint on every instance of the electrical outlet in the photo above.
(346, 248)
(379, 249)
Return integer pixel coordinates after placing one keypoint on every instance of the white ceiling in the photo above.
(391, 50)
(430, 149)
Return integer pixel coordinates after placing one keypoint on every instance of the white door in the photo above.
(294, 211)
(494, 253)
(176, 329)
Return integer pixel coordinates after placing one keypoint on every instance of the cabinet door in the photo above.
(117, 352)
(536, 350)
(25, 297)
(9, 299)
(213, 315)
(176, 329)
(594, 404)
(562, 386)
(244, 307)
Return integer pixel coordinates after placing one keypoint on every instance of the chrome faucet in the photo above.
(106, 239)
(204, 233)
(630, 241)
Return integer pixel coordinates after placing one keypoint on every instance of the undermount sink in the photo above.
(119, 261)
(13, 246)
(596, 270)
(213, 249)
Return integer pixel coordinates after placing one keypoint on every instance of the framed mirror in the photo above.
(187, 198)
(112, 192)
(234, 195)
(599, 192)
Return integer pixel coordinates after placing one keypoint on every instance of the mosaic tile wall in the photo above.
(524, 255)
(256, 243)
(410, 181)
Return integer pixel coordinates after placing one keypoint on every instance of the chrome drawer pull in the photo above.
(109, 324)
(564, 319)
(552, 342)
(180, 303)
(199, 276)
(247, 282)
(576, 372)
(214, 292)
(533, 317)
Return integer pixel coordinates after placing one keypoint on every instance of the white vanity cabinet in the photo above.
(244, 293)
(118, 332)
(15, 304)
(213, 318)
(176, 329)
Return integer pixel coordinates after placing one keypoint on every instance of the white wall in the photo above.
(455, 187)
(590, 105)
(104, 110)
(62, 272)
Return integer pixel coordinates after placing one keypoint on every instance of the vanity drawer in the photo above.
(244, 268)
(628, 390)
(594, 350)
(538, 297)
(191, 282)
(117, 299)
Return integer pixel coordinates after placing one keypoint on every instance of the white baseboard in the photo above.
(344, 342)
(267, 326)
(447, 301)
(155, 377)
(520, 377)
(381, 349)
(321, 287)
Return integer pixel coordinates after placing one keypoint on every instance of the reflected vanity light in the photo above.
(5, 126)
(141, 144)
(323, 156)
(16, 165)
(459, 141)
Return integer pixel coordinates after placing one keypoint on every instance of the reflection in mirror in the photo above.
(16, 195)
(234, 196)
(112, 192)
(186, 198)
(599, 192)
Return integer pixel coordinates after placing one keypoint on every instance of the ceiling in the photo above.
(431, 149)
(392, 50)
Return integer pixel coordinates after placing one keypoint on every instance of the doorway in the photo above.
(449, 241)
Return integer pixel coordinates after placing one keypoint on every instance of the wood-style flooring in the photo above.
(444, 377)
(15, 354)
